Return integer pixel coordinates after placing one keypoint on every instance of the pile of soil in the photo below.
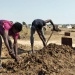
(52, 60)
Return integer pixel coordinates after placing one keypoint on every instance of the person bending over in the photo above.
(8, 29)
(37, 25)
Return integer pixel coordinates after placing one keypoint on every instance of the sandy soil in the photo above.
(55, 59)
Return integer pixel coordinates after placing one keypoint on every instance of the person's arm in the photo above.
(10, 43)
(15, 46)
(5, 38)
(49, 20)
(40, 33)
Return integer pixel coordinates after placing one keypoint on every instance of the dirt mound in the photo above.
(52, 60)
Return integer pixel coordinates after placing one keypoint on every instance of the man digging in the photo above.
(37, 25)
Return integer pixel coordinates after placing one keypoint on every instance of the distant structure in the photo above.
(69, 26)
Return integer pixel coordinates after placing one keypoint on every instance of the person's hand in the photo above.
(56, 29)
(53, 29)
(11, 53)
(18, 59)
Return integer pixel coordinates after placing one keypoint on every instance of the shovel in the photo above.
(49, 38)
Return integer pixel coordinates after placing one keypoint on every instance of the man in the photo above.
(37, 25)
(8, 29)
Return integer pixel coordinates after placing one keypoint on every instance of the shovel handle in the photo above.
(49, 37)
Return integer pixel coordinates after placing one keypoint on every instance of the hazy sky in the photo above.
(60, 11)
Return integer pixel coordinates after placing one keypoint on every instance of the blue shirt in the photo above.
(37, 22)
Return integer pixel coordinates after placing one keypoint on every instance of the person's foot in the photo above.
(1, 66)
(34, 51)
(31, 52)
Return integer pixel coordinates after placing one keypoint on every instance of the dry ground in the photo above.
(55, 59)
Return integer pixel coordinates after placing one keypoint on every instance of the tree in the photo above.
(24, 23)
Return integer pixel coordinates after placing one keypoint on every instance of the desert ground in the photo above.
(54, 59)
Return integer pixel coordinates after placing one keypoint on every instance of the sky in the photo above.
(59, 11)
